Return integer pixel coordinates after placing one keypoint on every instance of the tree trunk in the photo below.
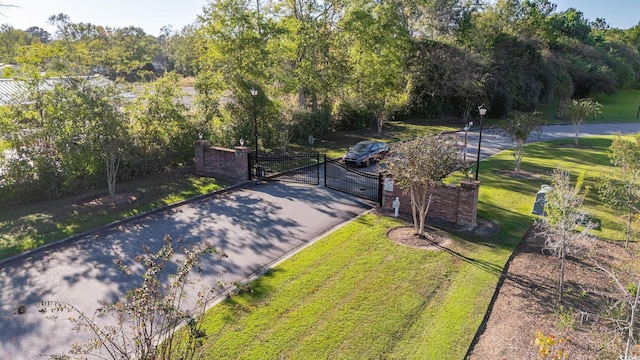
(426, 209)
(302, 99)
(314, 102)
(576, 131)
(419, 208)
(629, 227)
(381, 117)
(414, 209)
(518, 154)
(113, 161)
(632, 323)
(423, 209)
(562, 266)
(466, 113)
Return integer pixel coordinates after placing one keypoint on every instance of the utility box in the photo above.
(538, 205)
(259, 171)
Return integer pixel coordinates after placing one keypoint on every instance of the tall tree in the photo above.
(40, 33)
(304, 45)
(182, 49)
(130, 50)
(436, 19)
(418, 165)
(571, 23)
(496, 18)
(236, 45)
(236, 57)
(160, 126)
(106, 129)
(535, 17)
(444, 79)
(520, 75)
(11, 40)
(115, 52)
(378, 43)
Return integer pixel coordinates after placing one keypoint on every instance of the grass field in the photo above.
(356, 294)
(620, 107)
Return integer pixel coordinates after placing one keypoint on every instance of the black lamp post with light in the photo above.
(254, 93)
(482, 109)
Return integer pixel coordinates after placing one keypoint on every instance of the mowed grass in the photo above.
(26, 227)
(499, 191)
(620, 107)
(357, 295)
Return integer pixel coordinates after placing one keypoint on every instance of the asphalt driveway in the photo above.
(255, 226)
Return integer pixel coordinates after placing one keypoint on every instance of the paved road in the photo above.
(254, 226)
(495, 140)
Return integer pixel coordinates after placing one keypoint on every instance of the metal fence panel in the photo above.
(341, 177)
(298, 168)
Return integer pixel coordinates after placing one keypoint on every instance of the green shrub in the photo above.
(352, 116)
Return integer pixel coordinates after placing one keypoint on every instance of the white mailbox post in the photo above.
(396, 206)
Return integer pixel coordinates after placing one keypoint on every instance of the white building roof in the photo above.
(14, 91)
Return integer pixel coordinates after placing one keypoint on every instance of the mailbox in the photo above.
(538, 206)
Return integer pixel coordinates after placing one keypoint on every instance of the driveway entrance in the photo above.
(255, 226)
(339, 176)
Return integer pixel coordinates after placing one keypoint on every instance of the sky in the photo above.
(151, 15)
(621, 14)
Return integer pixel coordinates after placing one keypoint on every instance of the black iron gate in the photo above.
(341, 177)
(299, 168)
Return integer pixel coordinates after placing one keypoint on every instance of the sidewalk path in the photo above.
(254, 226)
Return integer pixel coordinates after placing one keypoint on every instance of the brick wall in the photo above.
(227, 164)
(454, 203)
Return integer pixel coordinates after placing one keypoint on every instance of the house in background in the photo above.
(15, 92)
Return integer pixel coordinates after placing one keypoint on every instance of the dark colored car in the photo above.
(365, 153)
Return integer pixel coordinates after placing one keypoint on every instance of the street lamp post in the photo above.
(482, 109)
(254, 92)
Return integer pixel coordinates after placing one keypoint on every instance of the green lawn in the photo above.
(620, 107)
(356, 294)
(26, 227)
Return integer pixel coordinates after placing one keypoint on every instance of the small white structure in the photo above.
(396, 206)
